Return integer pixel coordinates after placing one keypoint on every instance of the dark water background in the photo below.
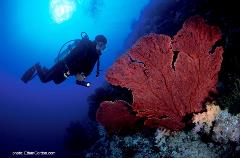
(35, 116)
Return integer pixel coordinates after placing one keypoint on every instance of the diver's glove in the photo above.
(80, 80)
(80, 77)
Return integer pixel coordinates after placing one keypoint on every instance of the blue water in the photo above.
(34, 116)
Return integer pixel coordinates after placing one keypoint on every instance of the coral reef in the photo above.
(128, 146)
(170, 78)
(219, 125)
(181, 144)
(161, 138)
(167, 17)
(163, 144)
(226, 128)
(117, 117)
(205, 119)
(216, 132)
(106, 93)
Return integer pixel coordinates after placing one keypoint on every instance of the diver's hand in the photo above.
(80, 77)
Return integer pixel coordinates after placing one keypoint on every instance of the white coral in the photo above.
(205, 119)
(160, 138)
(226, 126)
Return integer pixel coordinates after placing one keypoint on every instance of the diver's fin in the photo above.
(29, 74)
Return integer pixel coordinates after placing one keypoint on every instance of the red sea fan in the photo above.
(117, 117)
(170, 78)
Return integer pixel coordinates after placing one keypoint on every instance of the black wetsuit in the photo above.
(80, 60)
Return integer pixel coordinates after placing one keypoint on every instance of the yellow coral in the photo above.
(207, 117)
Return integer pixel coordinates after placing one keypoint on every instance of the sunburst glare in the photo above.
(62, 10)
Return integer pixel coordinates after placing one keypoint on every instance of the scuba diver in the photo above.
(79, 60)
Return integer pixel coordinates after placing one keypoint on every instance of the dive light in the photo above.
(83, 83)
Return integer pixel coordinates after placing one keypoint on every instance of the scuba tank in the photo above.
(69, 46)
